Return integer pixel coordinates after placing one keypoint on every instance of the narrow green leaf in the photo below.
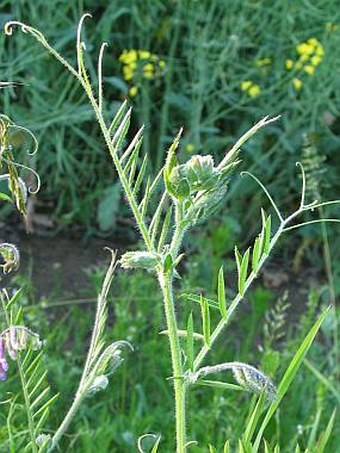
(132, 161)
(241, 448)
(34, 364)
(5, 197)
(165, 229)
(256, 253)
(38, 384)
(141, 174)
(156, 445)
(205, 321)
(135, 143)
(253, 420)
(324, 438)
(238, 257)
(118, 117)
(42, 419)
(197, 299)
(40, 397)
(226, 448)
(190, 341)
(153, 228)
(221, 293)
(143, 206)
(267, 449)
(18, 316)
(267, 233)
(219, 385)
(122, 131)
(14, 298)
(212, 449)
(243, 272)
(289, 376)
(46, 405)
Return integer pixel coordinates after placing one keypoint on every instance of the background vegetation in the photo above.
(213, 67)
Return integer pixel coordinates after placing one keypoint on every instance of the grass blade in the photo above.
(326, 435)
(289, 376)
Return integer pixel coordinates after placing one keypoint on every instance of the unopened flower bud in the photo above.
(200, 172)
(11, 257)
(140, 260)
(99, 383)
(43, 440)
(178, 185)
(254, 380)
(3, 361)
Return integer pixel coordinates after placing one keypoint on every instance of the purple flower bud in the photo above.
(3, 361)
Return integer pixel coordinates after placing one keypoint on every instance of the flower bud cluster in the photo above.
(11, 257)
(13, 340)
(197, 174)
(198, 183)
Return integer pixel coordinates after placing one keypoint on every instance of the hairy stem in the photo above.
(96, 334)
(166, 284)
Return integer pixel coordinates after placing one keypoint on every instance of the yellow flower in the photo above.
(144, 54)
(128, 56)
(304, 48)
(162, 64)
(313, 42)
(309, 69)
(133, 91)
(148, 70)
(246, 84)
(316, 60)
(289, 64)
(254, 90)
(320, 51)
(127, 73)
(298, 65)
(297, 84)
(304, 57)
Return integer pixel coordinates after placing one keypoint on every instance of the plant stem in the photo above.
(224, 321)
(96, 334)
(166, 283)
(23, 385)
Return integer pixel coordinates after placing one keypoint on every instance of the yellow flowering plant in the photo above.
(310, 55)
(139, 64)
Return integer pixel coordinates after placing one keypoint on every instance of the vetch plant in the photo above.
(19, 344)
(185, 194)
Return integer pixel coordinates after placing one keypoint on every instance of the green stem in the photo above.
(224, 321)
(24, 389)
(68, 418)
(166, 284)
(91, 355)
